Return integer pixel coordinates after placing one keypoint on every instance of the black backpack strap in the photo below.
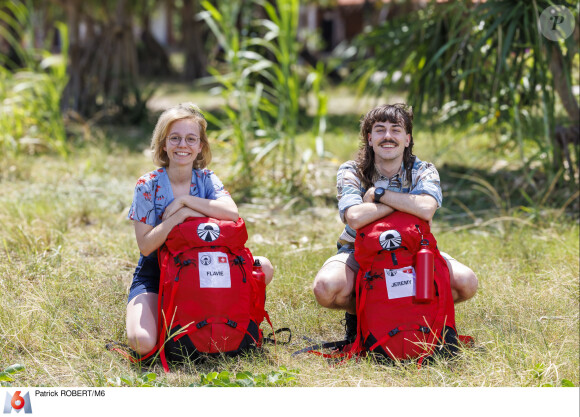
(339, 344)
(271, 338)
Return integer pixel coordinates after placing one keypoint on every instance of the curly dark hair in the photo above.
(392, 113)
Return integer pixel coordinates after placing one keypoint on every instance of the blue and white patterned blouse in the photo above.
(424, 180)
(153, 193)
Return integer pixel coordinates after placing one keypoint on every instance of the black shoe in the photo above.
(349, 327)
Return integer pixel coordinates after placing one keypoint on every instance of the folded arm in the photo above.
(150, 238)
(423, 206)
(362, 214)
(420, 205)
(224, 208)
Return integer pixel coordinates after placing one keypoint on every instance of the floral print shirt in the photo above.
(153, 193)
(424, 180)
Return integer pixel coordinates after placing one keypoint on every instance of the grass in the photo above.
(68, 255)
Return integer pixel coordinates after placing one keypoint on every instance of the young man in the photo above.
(385, 177)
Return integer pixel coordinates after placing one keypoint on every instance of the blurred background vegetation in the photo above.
(279, 79)
(283, 84)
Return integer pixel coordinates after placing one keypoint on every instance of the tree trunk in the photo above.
(153, 58)
(563, 86)
(124, 70)
(565, 136)
(72, 91)
(103, 68)
(169, 11)
(195, 59)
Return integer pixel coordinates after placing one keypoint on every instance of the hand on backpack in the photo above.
(173, 208)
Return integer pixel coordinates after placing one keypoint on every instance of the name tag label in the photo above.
(214, 270)
(400, 282)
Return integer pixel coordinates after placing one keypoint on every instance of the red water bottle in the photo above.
(258, 273)
(260, 277)
(424, 270)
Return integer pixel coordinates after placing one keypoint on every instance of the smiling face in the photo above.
(183, 151)
(388, 141)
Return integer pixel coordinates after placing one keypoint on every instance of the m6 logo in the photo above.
(17, 403)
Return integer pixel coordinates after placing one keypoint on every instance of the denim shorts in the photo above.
(145, 277)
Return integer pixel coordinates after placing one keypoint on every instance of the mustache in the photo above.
(387, 141)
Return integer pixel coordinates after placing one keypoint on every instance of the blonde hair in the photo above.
(180, 112)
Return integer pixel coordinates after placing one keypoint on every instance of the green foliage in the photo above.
(281, 377)
(146, 379)
(6, 375)
(30, 117)
(567, 383)
(264, 89)
(538, 372)
(485, 64)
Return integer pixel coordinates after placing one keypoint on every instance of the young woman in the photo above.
(182, 187)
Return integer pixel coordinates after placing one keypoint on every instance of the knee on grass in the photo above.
(465, 285)
(328, 292)
(142, 341)
(321, 292)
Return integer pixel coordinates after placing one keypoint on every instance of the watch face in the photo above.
(379, 193)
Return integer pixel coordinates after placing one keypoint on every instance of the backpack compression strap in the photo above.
(162, 324)
(396, 330)
(214, 320)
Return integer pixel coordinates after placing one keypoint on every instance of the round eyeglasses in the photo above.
(190, 140)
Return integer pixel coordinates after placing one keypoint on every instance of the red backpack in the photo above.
(210, 301)
(390, 319)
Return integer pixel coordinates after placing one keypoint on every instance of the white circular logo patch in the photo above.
(390, 240)
(208, 231)
(205, 260)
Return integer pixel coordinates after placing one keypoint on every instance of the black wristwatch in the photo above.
(379, 192)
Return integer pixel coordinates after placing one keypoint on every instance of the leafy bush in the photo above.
(264, 89)
(30, 116)
(484, 64)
